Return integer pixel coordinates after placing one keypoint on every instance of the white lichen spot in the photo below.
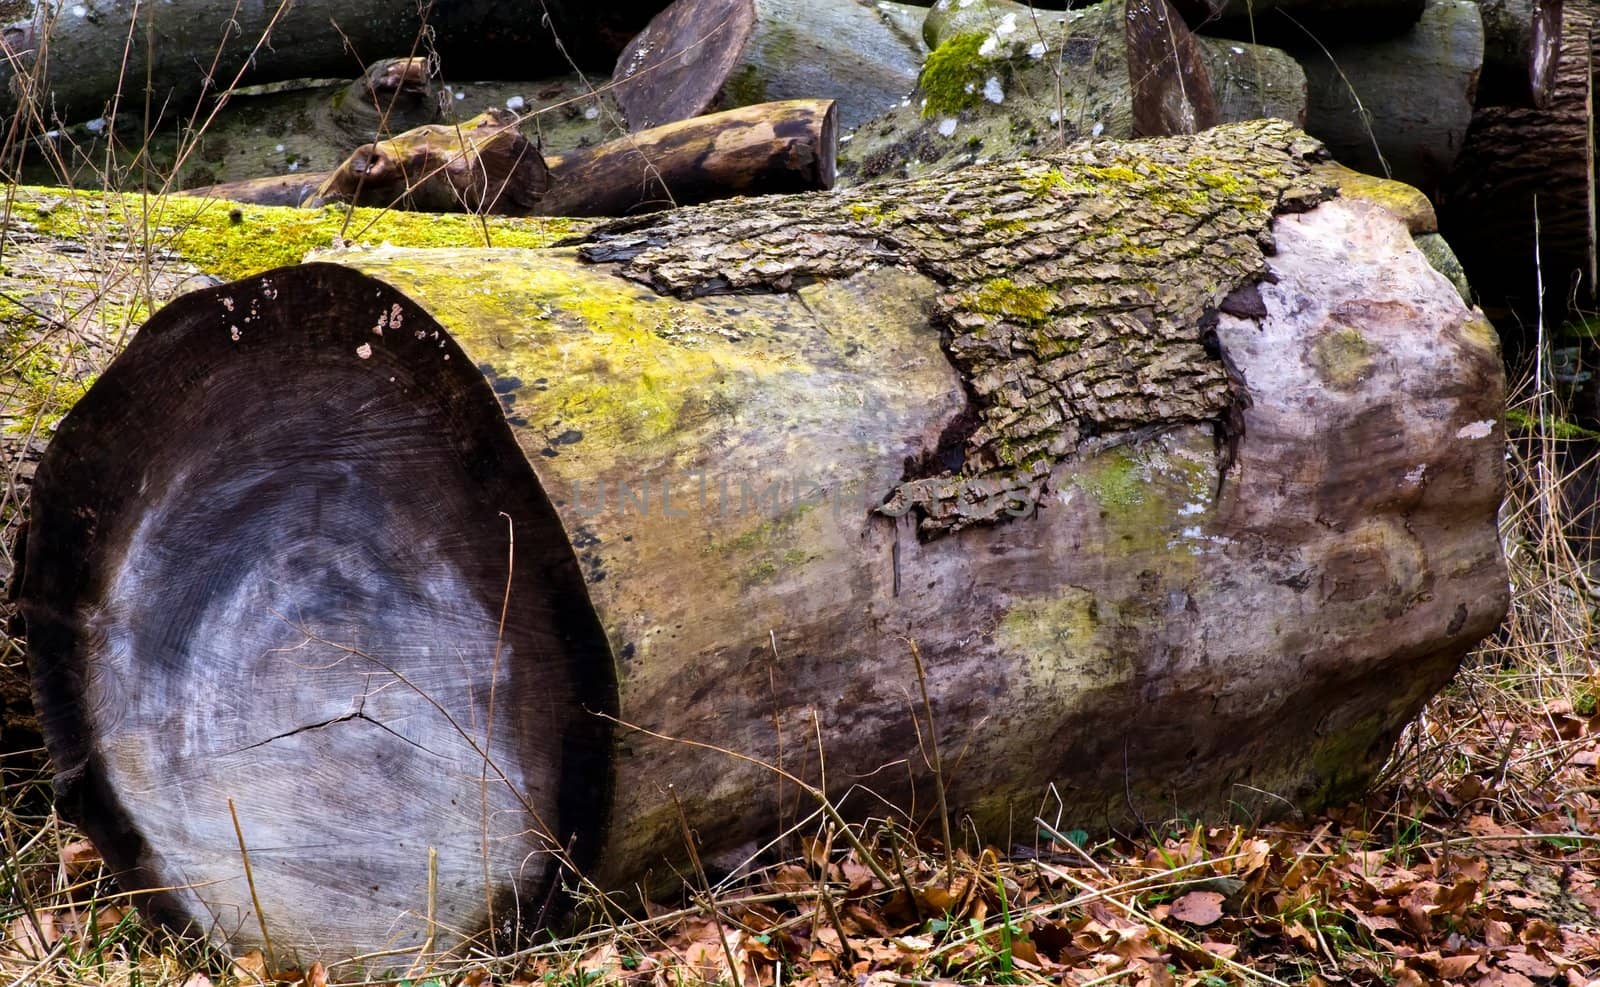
(1193, 507)
(592, 113)
(1097, 129)
(846, 138)
(1194, 531)
(294, 166)
(515, 104)
(278, 148)
(1008, 25)
(79, 10)
(1037, 49)
(1055, 116)
(992, 91)
(947, 127)
(990, 45)
(96, 125)
(364, 350)
(1476, 430)
(1415, 475)
(1236, 49)
(964, 4)
(461, 95)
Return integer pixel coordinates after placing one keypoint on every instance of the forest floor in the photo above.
(1475, 860)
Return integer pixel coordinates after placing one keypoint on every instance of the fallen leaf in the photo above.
(1199, 908)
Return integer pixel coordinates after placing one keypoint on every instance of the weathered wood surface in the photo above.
(1005, 81)
(1515, 158)
(1167, 73)
(699, 430)
(179, 52)
(1398, 107)
(698, 55)
(1521, 47)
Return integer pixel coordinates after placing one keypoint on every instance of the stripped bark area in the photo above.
(1134, 246)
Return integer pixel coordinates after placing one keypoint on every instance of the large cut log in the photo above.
(1398, 107)
(699, 55)
(487, 166)
(1004, 80)
(1518, 162)
(70, 62)
(445, 567)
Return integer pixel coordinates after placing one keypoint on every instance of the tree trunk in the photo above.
(698, 55)
(1517, 158)
(1521, 47)
(1005, 81)
(188, 49)
(1400, 107)
(481, 562)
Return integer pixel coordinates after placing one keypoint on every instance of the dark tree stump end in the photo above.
(261, 582)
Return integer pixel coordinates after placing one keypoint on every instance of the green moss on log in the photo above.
(953, 76)
(232, 241)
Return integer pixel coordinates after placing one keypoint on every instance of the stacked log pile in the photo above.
(1478, 103)
(1090, 362)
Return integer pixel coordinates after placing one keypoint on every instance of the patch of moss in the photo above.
(232, 241)
(953, 75)
(1343, 357)
(1556, 428)
(1004, 297)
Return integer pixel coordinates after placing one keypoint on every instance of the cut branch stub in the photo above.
(766, 149)
(482, 166)
(1167, 72)
(1521, 47)
(331, 593)
(392, 96)
(677, 65)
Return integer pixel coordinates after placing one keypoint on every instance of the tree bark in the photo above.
(1400, 107)
(698, 55)
(1514, 160)
(1006, 81)
(511, 548)
(190, 49)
